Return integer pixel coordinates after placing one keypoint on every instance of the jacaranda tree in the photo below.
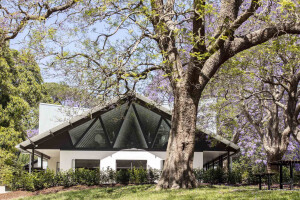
(258, 97)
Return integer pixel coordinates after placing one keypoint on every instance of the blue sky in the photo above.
(50, 75)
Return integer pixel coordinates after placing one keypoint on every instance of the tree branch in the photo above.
(29, 17)
(223, 33)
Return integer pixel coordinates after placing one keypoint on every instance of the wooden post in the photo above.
(220, 167)
(228, 166)
(291, 176)
(42, 159)
(32, 160)
(280, 176)
(259, 182)
(29, 166)
(221, 161)
(228, 161)
(269, 181)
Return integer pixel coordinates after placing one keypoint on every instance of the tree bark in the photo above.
(275, 149)
(178, 167)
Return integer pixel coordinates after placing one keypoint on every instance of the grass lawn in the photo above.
(148, 192)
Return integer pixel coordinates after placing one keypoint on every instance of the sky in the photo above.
(18, 43)
(22, 39)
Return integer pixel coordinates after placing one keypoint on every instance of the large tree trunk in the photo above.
(178, 167)
(275, 147)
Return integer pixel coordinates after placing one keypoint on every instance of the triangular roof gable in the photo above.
(58, 134)
(92, 114)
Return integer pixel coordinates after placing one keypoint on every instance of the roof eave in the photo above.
(221, 139)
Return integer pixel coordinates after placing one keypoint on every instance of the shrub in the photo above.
(82, 176)
(153, 175)
(199, 174)
(68, 178)
(122, 176)
(214, 176)
(25, 182)
(234, 177)
(87, 177)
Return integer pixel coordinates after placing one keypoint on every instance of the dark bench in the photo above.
(289, 163)
(268, 175)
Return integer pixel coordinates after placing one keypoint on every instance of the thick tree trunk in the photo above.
(178, 167)
(275, 147)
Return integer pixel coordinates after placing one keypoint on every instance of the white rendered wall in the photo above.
(108, 158)
(52, 163)
(198, 160)
(51, 115)
(153, 161)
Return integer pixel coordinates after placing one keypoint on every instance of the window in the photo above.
(112, 120)
(130, 135)
(78, 131)
(94, 137)
(162, 135)
(130, 164)
(87, 164)
(149, 120)
(125, 126)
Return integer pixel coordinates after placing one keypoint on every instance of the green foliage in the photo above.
(21, 90)
(87, 177)
(107, 176)
(214, 176)
(218, 175)
(153, 175)
(20, 179)
(138, 176)
(123, 176)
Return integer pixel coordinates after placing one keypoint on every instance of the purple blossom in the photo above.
(32, 132)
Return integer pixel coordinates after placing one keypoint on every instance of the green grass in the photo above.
(148, 192)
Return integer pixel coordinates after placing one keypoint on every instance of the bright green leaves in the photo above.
(288, 10)
(9, 138)
(200, 56)
(20, 92)
(20, 87)
(286, 5)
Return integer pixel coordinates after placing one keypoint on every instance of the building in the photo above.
(127, 132)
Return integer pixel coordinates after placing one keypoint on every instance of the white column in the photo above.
(198, 160)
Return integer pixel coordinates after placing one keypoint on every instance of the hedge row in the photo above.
(236, 176)
(46, 179)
